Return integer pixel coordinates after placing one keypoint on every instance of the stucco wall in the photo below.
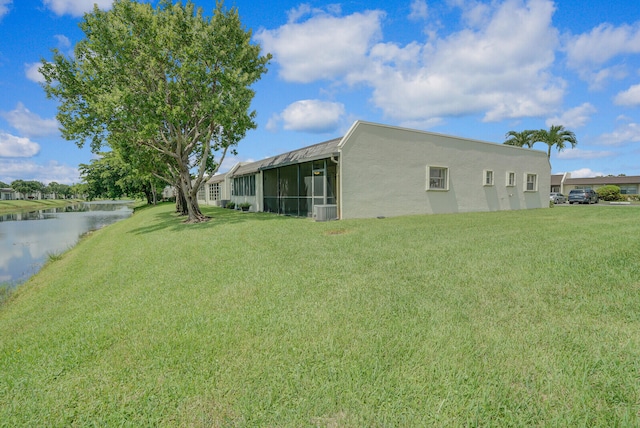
(383, 172)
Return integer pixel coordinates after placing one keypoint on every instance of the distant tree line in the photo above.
(32, 187)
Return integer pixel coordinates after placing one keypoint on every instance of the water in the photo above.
(27, 239)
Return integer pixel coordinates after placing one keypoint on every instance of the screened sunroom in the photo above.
(296, 189)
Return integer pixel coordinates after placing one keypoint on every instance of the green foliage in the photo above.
(166, 85)
(231, 205)
(556, 136)
(27, 188)
(519, 139)
(609, 193)
(475, 319)
(244, 205)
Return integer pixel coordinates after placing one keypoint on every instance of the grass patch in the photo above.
(484, 319)
(12, 206)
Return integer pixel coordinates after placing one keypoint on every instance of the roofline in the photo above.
(381, 125)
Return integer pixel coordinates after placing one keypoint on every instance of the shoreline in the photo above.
(16, 206)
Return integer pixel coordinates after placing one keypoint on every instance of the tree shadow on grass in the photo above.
(170, 220)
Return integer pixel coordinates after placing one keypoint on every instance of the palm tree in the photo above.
(520, 139)
(555, 136)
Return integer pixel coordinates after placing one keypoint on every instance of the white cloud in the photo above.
(323, 47)
(492, 70)
(17, 147)
(603, 43)
(630, 97)
(4, 7)
(419, 10)
(30, 124)
(585, 173)
(622, 135)
(32, 71)
(75, 7)
(584, 154)
(589, 52)
(573, 118)
(312, 116)
(63, 41)
(487, 68)
(12, 169)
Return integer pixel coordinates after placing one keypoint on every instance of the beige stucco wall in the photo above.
(383, 172)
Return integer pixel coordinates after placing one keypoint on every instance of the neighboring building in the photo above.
(563, 183)
(380, 171)
(8, 194)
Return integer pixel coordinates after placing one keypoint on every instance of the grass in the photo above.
(11, 206)
(485, 319)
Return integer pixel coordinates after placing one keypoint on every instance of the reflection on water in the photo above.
(27, 238)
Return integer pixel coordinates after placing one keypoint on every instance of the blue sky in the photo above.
(469, 68)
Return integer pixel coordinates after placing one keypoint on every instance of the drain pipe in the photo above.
(338, 186)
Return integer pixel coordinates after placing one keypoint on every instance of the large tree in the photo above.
(556, 136)
(27, 188)
(166, 79)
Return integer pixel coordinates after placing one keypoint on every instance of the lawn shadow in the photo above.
(170, 220)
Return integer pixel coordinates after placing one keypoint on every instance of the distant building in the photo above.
(563, 183)
(8, 194)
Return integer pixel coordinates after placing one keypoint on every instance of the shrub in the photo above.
(609, 193)
(231, 205)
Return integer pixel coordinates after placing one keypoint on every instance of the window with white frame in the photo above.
(214, 192)
(511, 179)
(488, 177)
(532, 183)
(437, 178)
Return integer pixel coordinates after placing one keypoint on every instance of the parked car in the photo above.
(557, 198)
(583, 196)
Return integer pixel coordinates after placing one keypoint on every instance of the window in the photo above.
(437, 178)
(488, 177)
(532, 183)
(511, 179)
(244, 186)
(628, 189)
(214, 191)
(201, 193)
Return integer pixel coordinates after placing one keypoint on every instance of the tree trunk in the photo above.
(154, 194)
(190, 199)
(181, 203)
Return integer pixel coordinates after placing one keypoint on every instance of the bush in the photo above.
(231, 205)
(609, 193)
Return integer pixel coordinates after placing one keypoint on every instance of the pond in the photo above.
(28, 239)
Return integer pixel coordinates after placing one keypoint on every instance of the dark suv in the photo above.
(583, 196)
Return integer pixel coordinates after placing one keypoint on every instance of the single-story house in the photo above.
(563, 183)
(8, 194)
(378, 170)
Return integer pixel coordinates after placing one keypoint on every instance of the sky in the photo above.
(469, 68)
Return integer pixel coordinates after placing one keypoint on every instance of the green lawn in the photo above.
(525, 318)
